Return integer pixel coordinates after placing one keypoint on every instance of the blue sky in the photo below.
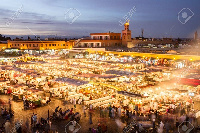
(158, 18)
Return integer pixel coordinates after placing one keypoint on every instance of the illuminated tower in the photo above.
(126, 34)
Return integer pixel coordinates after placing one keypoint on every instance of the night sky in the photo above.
(158, 18)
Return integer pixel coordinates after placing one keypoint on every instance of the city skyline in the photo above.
(157, 18)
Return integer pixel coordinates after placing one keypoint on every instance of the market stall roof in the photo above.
(129, 94)
(151, 70)
(193, 76)
(18, 85)
(158, 67)
(130, 63)
(194, 71)
(31, 72)
(7, 68)
(119, 72)
(97, 75)
(70, 81)
(179, 90)
(23, 63)
(42, 62)
(190, 81)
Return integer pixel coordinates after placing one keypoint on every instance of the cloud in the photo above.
(26, 22)
(48, 17)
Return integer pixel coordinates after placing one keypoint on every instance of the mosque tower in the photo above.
(126, 34)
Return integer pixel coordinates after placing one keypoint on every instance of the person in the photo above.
(113, 112)
(140, 127)
(56, 109)
(5, 91)
(8, 117)
(177, 122)
(167, 126)
(160, 129)
(9, 102)
(72, 127)
(182, 111)
(71, 100)
(7, 126)
(34, 120)
(24, 99)
(154, 126)
(74, 102)
(94, 130)
(18, 127)
(71, 111)
(27, 126)
(127, 113)
(187, 106)
(2, 111)
(38, 124)
(192, 106)
(60, 111)
(153, 116)
(136, 108)
(131, 114)
(99, 130)
(105, 112)
(110, 115)
(187, 119)
(10, 113)
(48, 100)
(119, 111)
(90, 116)
(91, 107)
(80, 101)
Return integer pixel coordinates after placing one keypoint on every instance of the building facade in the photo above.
(39, 45)
(109, 39)
(100, 40)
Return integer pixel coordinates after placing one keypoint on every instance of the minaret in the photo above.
(196, 36)
(126, 34)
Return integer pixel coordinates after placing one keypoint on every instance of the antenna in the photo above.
(142, 30)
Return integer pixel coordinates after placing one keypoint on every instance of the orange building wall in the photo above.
(39, 45)
(3, 46)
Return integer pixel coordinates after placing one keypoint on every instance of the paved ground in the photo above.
(21, 114)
